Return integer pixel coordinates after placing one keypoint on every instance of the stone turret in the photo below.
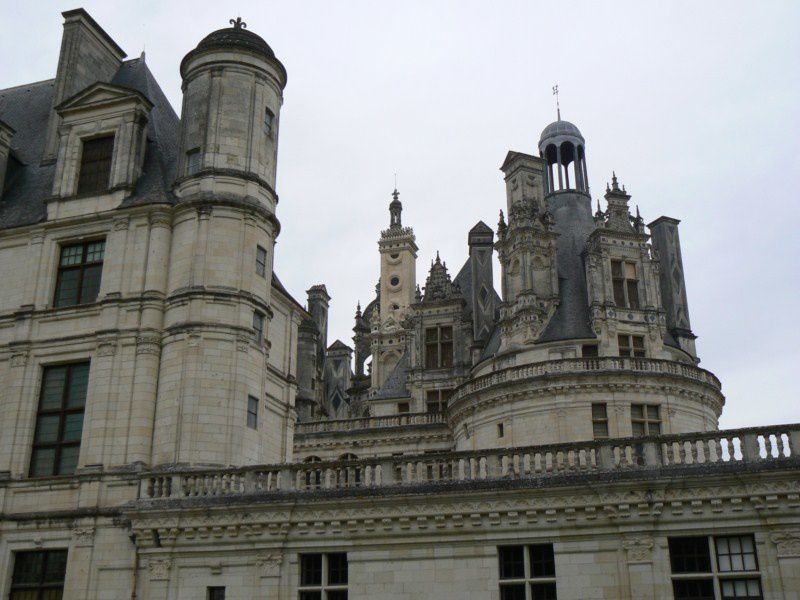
(215, 354)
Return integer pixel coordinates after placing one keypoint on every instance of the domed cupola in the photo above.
(562, 146)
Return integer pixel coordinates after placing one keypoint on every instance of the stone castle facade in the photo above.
(175, 425)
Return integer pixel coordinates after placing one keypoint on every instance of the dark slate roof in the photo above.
(395, 384)
(492, 344)
(26, 108)
(237, 37)
(276, 284)
(572, 213)
(481, 227)
(339, 345)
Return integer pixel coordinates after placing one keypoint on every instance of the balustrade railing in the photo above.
(752, 445)
(400, 420)
(586, 365)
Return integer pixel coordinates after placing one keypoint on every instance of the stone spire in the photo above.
(617, 215)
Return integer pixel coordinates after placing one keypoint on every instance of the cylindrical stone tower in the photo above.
(212, 401)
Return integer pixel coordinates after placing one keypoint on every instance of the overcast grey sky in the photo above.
(694, 104)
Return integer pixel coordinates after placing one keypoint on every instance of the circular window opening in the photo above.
(395, 255)
(395, 281)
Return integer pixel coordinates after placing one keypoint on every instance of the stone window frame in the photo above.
(648, 418)
(99, 188)
(436, 347)
(623, 286)
(442, 397)
(599, 420)
(403, 408)
(320, 576)
(630, 349)
(81, 267)
(261, 261)
(252, 411)
(193, 166)
(258, 327)
(41, 584)
(535, 575)
(64, 410)
(707, 572)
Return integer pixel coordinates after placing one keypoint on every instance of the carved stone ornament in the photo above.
(83, 536)
(159, 568)
(640, 549)
(787, 543)
(148, 344)
(20, 359)
(269, 565)
(106, 348)
(243, 343)
(121, 224)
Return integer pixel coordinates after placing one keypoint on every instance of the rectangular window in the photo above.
(215, 593)
(269, 122)
(600, 421)
(261, 261)
(436, 400)
(79, 269)
(645, 419)
(193, 161)
(323, 576)
(258, 327)
(252, 412)
(95, 170)
(501, 430)
(59, 422)
(694, 571)
(527, 573)
(38, 575)
(438, 347)
(403, 407)
(631, 345)
(626, 284)
(589, 351)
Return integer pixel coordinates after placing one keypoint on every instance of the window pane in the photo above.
(431, 356)
(543, 591)
(633, 294)
(512, 562)
(431, 335)
(447, 354)
(95, 251)
(47, 428)
(638, 341)
(43, 462)
(543, 562)
(630, 270)
(73, 426)
(689, 555)
(91, 284)
(637, 411)
(600, 429)
(71, 255)
(25, 595)
(654, 429)
(619, 292)
(28, 567)
(69, 460)
(337, 595)
(310, 569)
(653, 412)
(53, 387)
(693, 589)
(616, 268)
(599, 411)
(740, 588)
(337, 568)
(56, 566)
(67, 288)
(512, 592)
(310, 595)
(78, 384)
(447, 333)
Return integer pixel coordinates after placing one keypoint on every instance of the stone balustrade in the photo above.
(595, 366)
(757, 445)
(400, 420)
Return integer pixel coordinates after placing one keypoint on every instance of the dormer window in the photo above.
(193, 161)
(626, 284)
(269, 121)
(95, 170)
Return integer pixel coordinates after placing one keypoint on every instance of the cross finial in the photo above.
(558, 107)
(395, 194)
(238, 23)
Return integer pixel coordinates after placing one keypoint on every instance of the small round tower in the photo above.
(563, 148)
(213, 403)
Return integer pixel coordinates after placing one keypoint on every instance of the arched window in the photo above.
(313, 476)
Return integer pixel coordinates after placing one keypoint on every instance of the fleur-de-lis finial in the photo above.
(238, 23)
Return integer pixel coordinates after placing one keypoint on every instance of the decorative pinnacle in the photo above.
(238, 23)
(614, 184)
(395, 194)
